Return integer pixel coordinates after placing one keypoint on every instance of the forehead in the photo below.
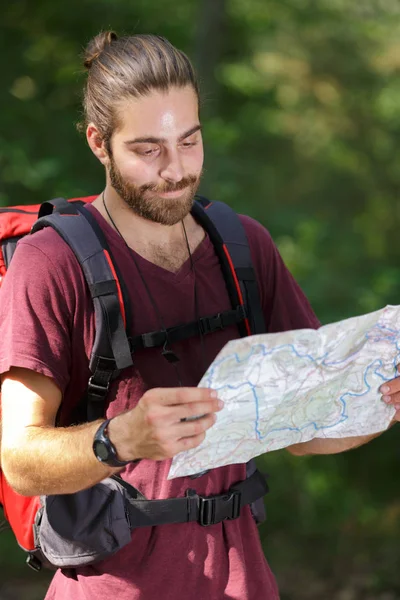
(159, 114)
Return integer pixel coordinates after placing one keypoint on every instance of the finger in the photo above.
(393, 398)
(193, 428)
(184, 395)
(390, 387)
(193, 410)
(189, 442)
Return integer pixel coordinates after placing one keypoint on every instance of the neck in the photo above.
(165, 246)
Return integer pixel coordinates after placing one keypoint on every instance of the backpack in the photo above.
(34, 519)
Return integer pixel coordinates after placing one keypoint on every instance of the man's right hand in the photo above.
(41, 459)
(157, 428)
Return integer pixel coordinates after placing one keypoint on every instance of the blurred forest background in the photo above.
(301, 118)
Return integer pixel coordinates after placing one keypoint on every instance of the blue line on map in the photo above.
(342, 417)
(320, 360)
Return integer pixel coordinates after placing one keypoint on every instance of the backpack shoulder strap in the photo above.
(111, 349)
(232, 247)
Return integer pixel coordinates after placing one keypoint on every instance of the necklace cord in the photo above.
(166, 352)
(196, 302)
(136, 264)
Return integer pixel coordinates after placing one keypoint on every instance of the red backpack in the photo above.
(19, 511)
(112, 351)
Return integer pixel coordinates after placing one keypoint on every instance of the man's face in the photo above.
(156, 155)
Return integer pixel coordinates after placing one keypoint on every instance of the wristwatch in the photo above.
(104, 450)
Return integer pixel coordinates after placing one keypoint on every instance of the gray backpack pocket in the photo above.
(79, 529)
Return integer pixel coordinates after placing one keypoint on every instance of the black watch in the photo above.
(104, 450)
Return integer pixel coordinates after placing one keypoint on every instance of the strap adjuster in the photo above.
(214, 509)
(33, 562)
(96, 389)
(211, 324)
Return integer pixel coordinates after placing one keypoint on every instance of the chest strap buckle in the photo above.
(214, 509)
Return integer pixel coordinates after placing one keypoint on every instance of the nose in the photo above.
(172, 169)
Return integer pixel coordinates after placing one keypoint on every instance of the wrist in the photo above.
(104, 449)
(120, 436)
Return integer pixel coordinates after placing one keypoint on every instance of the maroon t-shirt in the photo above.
(47, 325)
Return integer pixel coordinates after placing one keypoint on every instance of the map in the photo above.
(284, 388)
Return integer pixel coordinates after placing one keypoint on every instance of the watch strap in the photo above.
(112, 459)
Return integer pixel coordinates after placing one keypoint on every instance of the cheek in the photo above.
(134, 170)
(194, 162)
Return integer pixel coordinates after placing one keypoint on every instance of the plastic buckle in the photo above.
(95, 389)
(34, 563)
(228, 504)
(211, 324)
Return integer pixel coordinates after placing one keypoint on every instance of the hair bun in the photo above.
(97, 45)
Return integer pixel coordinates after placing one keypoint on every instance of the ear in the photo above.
(96, 143)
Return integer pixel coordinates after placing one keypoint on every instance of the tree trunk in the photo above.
(209, 50)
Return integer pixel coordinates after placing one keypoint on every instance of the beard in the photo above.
(145, 202)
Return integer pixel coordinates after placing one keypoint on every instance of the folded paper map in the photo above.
(284, 388)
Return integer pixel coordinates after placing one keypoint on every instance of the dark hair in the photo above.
(131, 66)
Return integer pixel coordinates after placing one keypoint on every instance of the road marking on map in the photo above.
(284, 388)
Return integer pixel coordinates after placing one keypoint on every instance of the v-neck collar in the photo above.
(150, 267)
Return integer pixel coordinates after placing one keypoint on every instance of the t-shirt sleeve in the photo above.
(284, 304)
(35, 317)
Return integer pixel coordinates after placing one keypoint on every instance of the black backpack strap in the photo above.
(231, 245)
(60, 205)
(204, 325)
(111, 351)
(206, 510)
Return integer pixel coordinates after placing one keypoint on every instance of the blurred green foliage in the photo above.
(301, 115)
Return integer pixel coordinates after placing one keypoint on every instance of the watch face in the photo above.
(100, 450)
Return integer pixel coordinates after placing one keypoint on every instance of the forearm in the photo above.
(40, 459)
(50, 460)
(332, 445)
(329, 445)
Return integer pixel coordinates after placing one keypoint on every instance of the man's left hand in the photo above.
(390, 391)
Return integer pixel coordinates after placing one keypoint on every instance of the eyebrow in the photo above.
(155, 140)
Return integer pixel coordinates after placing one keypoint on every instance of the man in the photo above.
(142, 123)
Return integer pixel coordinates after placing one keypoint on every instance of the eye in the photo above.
(189, 144)
(147, 151)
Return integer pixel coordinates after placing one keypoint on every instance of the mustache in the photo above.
(188, 181)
